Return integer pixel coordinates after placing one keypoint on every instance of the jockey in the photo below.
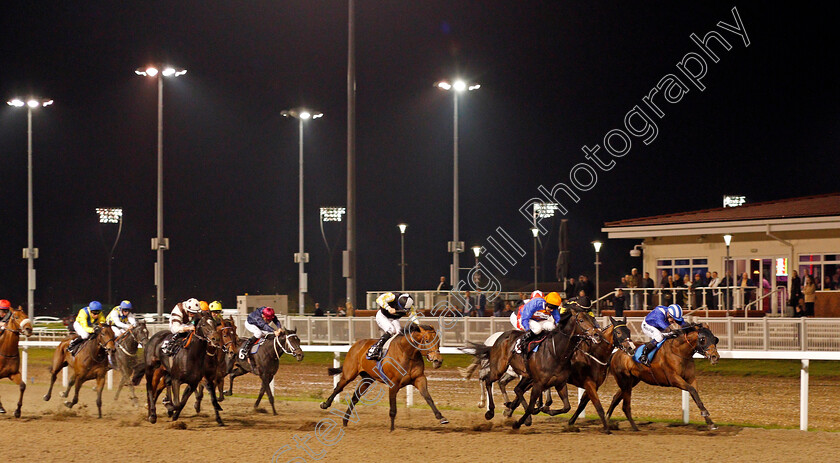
(180, 323)
(258, 324)
(517, 316)
(5, 312)
(204, 306)
(216, 311)
(540, 315)
(658, 320)
(391, 309)
(120, 318)
(86, 321)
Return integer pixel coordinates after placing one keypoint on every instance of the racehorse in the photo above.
(673, 366)
(9, 355)
(266, 362)
(550, 365)
(218, 363)
(185, 367)
(590, 364)
(126, 355)
(92, 361)
(401, 366)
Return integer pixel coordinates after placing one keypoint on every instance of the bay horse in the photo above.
(673, 366)
(218, 364)
(550, 365)
(401, 366)
(92, 361)
(266, 361)
(18, 324)
(126, 355)
(186, 367)
(590, 365)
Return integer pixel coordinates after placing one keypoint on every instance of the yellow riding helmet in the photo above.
(553, 298)
(215, 306)
(204, 306)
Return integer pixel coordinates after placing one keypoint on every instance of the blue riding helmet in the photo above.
(676, 312)
(125, 305)
(95, 306)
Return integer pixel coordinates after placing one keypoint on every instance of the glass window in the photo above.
(662, 263)
(809, 258)
(832, 257)
(681, 262)
(699, 261)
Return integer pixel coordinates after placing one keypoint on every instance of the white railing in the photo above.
(702, 298)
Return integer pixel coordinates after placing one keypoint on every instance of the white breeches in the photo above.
(388, 325)
(80, 331)
(514, 320)
(117, 330)
(651, 332)
(255, 330)
(538, 326)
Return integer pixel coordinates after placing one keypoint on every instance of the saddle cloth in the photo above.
(651, 354)
(256, 346)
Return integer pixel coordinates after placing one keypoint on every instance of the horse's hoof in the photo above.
(47, 398)
(2, 410)
(169, 413)
(228, 393)
(488, 415)
(507, 413)
(153, 419)
(17, 413)
(517, 425)
(324, 406)
(444, 421)
(62, 394)
(712, 427)
(68, 404)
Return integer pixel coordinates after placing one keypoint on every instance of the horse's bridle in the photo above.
(231, 342)
(284, 344)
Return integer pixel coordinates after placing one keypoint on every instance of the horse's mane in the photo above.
(415, 328)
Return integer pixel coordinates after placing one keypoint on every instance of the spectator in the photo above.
(715, 293)
(481, 304)
(570, 285)
(618, 302)
(728, 283)
(795, 290)
(663, 283)
(579, 286)
(667, 290)
(340, 312)
(623, 282)
(634, 281)
(442, 287)
(835, 280)
(588, 287)
(800, 310)
(810, 293)
(681, 287)
(745, 292)
(498, 306)
(319, 312)
(827, 283)
(696, 291)
(469, 305)
(647, 296)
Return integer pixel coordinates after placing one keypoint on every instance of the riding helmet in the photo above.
(5, 305)
(537, 293)
(125, 305)
(553, 298)
(191, 305)
(204, 306)
(676, 312)
(267, 313)
(405, 301)
(215, 306)
(95, 306)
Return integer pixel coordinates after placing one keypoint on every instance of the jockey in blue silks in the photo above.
(655, 323)
(539, 315)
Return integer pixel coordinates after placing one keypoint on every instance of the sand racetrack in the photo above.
(49, 432)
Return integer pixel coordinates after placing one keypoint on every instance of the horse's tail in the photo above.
(333, 371)
(139, 371)
(480, 351)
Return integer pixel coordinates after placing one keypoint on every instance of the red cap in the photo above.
(268, 313)
(5, 305)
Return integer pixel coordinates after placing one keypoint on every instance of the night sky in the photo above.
(554, 76)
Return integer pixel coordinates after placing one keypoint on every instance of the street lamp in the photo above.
(476, 249)
(111, 215)
(30, 253)
(301, 114)
(455, 246)
(728, 239)
(330, 214)
(536, 232)
(597, 246)
(160, 243)
(402, 228)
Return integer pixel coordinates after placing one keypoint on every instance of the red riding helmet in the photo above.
(5, 305)
(268, 313)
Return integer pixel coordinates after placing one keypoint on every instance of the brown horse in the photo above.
(92, 361)
(673, 366)
(401, 366)
(9, 354)
(217, 364)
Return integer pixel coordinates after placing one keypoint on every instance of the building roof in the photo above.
(808, 206)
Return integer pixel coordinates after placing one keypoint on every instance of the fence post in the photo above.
(409, 396)
(730, 335)
(766, 334)
(65, 377)
(803, 396)
(24, 360)
(329, 330)
(336, 364)
(110, 379)
(804, 337)
(309, 331)
(685, 404)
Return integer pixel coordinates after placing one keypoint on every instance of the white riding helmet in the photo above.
(191, 305)
(676, 312)
(405, 301)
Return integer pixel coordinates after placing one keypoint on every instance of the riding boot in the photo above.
(243, 352)
(375, 351)
(522, 343)
(643, 359)
(73, 347)
(170, 346)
